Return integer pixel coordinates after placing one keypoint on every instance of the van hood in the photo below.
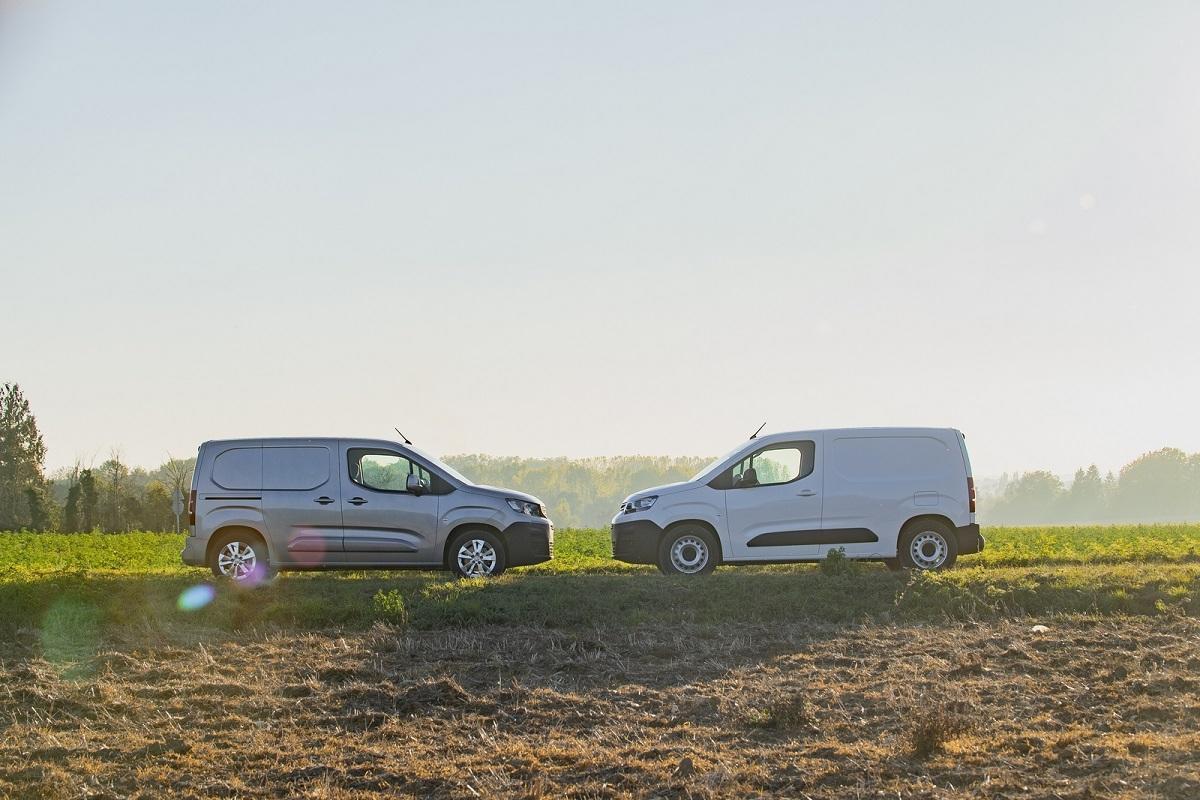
(666, 488)
(501, 494)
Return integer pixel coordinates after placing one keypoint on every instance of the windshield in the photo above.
(441, 465)
(717, 462)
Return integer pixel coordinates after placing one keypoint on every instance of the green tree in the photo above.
(38, 505)
(579, 492)
(70, 521)
(1157, 486)
(1031, 498)
(156, 508)
(89, 501)
(22, 454)
(1085, 501)
(115, 474)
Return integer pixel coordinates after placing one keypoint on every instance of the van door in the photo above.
(301, 499)
(384, 523)
(773, 502)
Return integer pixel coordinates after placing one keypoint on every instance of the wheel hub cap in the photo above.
(928, 550)
(237, 560)
(689, 554)
(476, 558)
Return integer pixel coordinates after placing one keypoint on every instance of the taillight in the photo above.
(192, 506)
(971, 494)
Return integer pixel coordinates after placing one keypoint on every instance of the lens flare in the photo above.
(196, 597)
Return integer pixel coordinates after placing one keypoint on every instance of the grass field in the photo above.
(589, 678)
(588, 551)
(100, 580)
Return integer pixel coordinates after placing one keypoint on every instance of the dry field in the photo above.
(1095, 706)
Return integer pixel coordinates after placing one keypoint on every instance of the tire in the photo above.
(241, 557)
(476, 554)
(688, 550)
(927, 545)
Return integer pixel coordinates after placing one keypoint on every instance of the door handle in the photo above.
(356, 501)
(806, 492)
(323, 500)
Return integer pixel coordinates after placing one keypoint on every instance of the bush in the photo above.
(931, 730)
(836, 563)
(390, 607)
(787, 713)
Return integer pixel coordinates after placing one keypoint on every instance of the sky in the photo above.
(602, 228)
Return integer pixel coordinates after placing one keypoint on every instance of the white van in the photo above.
(902, 495)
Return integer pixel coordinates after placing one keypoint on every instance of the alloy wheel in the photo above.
(476, 558)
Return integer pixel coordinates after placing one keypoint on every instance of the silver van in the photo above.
(261, 505)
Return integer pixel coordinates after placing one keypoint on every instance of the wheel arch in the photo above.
(921, 519)
(703, 524)
(462, 527)
(220, 533)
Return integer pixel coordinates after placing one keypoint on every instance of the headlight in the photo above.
(526, 507)
(641, 504)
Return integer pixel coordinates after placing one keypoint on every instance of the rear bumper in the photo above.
(193, 552)
(636, 541)
(529, 543)
(970, 540)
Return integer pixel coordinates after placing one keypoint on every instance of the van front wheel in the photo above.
(927, 545)
(477, 554)
(687, 550)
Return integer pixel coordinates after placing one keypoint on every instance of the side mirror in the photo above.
(415, 485)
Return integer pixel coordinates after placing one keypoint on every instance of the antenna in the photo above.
(406, 441)
(757, 432)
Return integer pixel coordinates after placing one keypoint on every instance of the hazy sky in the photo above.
(602, 228)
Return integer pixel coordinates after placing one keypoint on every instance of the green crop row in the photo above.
(587, 550)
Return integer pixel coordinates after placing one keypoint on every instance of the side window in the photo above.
(384, 471)
(772, 465)
(295, 468)
(238, 468)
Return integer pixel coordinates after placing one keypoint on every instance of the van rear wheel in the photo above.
(927, 545)
(688, 550)
(241, 557)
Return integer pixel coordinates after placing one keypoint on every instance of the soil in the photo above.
(1089, 707)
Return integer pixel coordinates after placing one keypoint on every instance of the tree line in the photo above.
(111, 497)
(1160, 486)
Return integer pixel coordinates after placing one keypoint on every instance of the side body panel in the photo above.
(877, 481)
(237, 501)
(302, 502)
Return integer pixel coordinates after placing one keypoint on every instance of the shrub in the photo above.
(787, 712)
(390, 607)
(931, 729)
(836, 563)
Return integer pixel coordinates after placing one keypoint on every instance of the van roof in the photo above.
(770, 438)
(270, 441)
(784, 436)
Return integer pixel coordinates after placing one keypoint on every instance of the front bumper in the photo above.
(193, 552)
(970, 540)
(636, 541)
(529, 543)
